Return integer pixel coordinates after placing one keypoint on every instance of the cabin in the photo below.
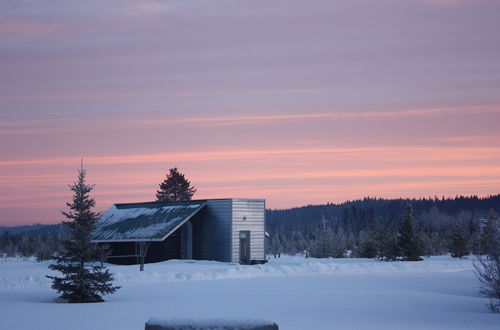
(228, 230)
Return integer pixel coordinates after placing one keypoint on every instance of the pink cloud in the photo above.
(134, 95)
(445, 3)
(472, 138)
(245, 120)
(421, 152)
(66, 125)
(27, 28)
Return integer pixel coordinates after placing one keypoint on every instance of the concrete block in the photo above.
(210, 324)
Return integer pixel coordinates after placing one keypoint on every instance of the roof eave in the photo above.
(126, 240)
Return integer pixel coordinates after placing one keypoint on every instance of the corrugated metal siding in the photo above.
(214, 231)
(254, 212)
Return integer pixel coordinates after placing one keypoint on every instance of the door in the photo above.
(245, 247)
(187, 240)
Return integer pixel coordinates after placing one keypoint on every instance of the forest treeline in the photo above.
(374, 227)
(40, 241)
(371, 227)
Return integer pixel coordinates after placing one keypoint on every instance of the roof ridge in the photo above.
(161, 203)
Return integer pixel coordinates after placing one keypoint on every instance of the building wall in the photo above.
(248, 214)
(213, 231)
(196, 222)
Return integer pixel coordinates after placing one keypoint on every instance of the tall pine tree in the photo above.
(175, 188)
(84, 280)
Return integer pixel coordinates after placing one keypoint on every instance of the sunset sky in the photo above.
(297, 102)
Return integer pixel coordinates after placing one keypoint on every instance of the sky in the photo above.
(297, 102)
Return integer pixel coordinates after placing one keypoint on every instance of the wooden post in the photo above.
(143, 250)
(141, 256)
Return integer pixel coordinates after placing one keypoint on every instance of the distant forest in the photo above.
(40, 241)
(371, 228)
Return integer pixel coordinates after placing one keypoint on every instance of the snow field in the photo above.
(296, 293)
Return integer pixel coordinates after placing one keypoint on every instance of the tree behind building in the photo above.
(175, 188)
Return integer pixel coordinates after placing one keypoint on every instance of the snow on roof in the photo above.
(144, 221)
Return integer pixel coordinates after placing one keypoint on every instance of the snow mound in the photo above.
(28, 273)
(182, 270)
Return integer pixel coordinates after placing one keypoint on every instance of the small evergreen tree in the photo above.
(298, 242)
(84, 280)
(387, 240)
(175, 188)
(321, 246)
(276, 246)
(458, 241)
(368, 249)
(409, 242)
(327, 243)
(393, 250)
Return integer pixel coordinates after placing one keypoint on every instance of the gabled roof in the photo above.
(152, 221)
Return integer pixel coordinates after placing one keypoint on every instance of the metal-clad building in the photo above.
(230, 230)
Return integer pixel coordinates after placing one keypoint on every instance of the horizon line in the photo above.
(438, 198)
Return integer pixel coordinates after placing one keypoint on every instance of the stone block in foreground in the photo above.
(210, 324)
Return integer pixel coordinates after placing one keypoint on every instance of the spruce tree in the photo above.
(458, 241)
(175, 188)
(409, 242)
(389, 237)
(489, 241)
(84, 280)
(322, 246)
(368, 249)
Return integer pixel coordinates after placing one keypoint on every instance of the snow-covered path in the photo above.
(297, 293)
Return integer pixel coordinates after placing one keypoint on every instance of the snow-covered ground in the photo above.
(296, 293)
